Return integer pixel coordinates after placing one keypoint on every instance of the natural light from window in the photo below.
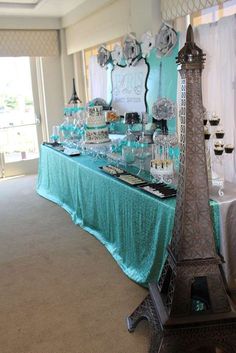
(214, 13)
(18, 135)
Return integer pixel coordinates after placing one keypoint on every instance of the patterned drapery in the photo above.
(33, 43)
(171, 9)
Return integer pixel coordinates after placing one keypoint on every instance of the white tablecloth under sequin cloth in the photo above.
(228, 231)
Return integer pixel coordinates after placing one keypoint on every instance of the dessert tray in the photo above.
(123, 175)
(160, 190)
(72, 152)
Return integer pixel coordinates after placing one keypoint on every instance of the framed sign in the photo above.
(129, 87)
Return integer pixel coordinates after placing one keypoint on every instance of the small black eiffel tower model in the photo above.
(188, 309)
(74, 98)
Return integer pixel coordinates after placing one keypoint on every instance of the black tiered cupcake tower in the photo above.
(215, 148)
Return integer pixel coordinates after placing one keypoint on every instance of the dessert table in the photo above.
(134, 226)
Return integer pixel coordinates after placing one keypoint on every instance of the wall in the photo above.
(145, 16)
(113, 21)
(67, 68)
(104, 25)
(53, 95)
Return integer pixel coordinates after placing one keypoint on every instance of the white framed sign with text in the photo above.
(129, 88)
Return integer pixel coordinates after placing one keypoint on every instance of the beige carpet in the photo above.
(60, 290)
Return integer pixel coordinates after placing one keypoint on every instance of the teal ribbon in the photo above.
(96, 127)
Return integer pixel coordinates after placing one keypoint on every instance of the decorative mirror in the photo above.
(129, 87)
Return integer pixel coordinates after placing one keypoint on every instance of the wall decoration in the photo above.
(132, 49)
(147, 44)
(164, 108)
(117, 54)
(129, 87)
(103, 56)
(130, 54)
(166, 39)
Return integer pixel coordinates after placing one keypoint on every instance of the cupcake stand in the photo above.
(216, 151)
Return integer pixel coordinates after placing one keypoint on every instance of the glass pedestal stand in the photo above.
(163, 164)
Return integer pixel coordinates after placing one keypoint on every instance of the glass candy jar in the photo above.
(163, 163)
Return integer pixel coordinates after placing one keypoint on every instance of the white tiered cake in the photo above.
(96, 129)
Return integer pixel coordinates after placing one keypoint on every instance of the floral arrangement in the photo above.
(103, 56)
(133, 50)
(117, 54)
(147, 44)
(165, 40)
(164, 109)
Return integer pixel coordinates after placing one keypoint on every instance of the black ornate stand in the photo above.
(189, 310)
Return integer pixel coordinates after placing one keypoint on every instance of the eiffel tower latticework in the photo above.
(190, 301)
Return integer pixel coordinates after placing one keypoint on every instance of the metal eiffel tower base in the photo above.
(210, 336)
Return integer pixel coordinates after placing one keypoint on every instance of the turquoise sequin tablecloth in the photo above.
(134, 227)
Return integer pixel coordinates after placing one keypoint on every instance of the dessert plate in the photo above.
(159, 189)
(112, 170)
(123, 175)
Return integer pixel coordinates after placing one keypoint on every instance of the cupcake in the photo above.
(214, 120)
(219, 144)
(206, 134)
(204, 121)
(220, 134)
(218, 151)
(229, 148)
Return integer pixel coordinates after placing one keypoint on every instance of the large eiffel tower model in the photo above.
(188, 309)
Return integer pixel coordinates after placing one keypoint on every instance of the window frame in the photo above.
(214, 13)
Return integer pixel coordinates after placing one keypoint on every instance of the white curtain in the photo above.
(97, 79)
(219, 81)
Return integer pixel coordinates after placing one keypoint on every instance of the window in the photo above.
(214, 13)
(18, 131)
(87, 53)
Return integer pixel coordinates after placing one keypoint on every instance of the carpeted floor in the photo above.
(60, 290)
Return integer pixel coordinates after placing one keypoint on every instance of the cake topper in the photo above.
(74, 98)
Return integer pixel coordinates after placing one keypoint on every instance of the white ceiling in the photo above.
(39, 8)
